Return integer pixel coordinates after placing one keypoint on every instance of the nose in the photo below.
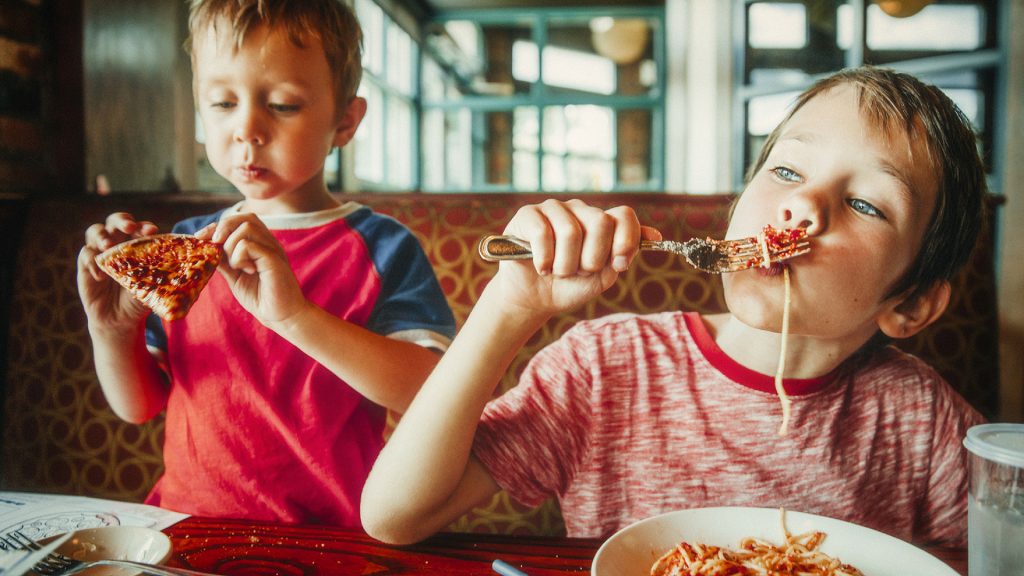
(805, 208)
(250, 128)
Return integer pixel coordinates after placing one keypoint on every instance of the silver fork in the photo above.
(133, 568)
(56, 564)
(52, 563)
(709, 255)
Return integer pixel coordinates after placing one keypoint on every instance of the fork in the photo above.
(131, 565)
(709, 255)
(57, 564)
(51, 563)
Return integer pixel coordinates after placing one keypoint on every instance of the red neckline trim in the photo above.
(741, 374)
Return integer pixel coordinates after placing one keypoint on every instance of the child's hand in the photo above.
(256, 268)
(107, 304)
(578, 252)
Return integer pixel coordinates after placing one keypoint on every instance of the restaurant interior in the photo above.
(475, 107)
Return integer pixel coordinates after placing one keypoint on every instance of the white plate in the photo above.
(116, 543)
(632, 550)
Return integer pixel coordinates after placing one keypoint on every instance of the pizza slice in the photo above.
(166, 272)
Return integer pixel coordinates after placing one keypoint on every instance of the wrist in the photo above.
(292, 324)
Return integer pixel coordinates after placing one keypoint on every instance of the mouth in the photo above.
(251, 172)
(775, 269)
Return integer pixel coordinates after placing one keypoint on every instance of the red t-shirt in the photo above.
(254, 427)
(631, 416)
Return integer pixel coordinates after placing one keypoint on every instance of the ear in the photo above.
(913, 314)
(349, 121)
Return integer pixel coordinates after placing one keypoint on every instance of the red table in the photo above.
(232, 547)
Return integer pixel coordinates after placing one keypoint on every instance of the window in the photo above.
(548, 100)
(384, 145)
(786, 45)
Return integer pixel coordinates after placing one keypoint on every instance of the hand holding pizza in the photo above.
(106, 304)
(256, 268)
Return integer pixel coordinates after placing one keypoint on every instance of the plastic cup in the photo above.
(995, 510)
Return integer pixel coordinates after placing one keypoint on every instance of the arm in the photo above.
(426, 475)
(132, 382)
(385, 370)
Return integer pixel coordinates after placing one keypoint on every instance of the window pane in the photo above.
(434, 80)
(369, 138)
(524, 171)
(399, 143)
(371, 18)
(332, 169)
(764, 113)
(446, 148)
(938, 27)
(601, 55)
(633, 160)
(432, 139)
(777, 25)
(401, 56)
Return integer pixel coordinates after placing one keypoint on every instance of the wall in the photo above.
(41, 149)
(1011, 263)
(135, 115)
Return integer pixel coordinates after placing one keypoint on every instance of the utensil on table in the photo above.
(709, 255)
(38, 555)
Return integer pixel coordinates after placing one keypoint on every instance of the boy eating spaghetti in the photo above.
(630, 416)
(324, 313)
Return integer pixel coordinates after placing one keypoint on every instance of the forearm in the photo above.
(132, 383)
(423, 478)
(386, 371)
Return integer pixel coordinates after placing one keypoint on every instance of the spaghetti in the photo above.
(798, 556)
(781, 369)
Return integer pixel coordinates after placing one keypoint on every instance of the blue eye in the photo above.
(865, 207)
(785, 174)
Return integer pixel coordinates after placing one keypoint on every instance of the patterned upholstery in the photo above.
(60, 436)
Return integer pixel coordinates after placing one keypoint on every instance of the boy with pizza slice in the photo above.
(324, 314)
(630, 416)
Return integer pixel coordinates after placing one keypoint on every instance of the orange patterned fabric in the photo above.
(60, 436)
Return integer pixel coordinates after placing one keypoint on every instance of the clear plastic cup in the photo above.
(995, 512)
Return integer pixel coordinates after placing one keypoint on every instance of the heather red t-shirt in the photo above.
(631, 416)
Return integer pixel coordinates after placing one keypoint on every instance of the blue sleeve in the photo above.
(155, 336)
(411, 297)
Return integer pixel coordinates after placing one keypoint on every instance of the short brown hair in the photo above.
(332, 22)
(896, 100)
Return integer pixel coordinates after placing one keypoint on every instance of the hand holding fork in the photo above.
(714, 256)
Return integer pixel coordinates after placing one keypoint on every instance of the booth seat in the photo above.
(59, 435)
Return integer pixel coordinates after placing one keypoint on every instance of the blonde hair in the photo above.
(332, 22)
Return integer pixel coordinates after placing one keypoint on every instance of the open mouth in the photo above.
(775, 269)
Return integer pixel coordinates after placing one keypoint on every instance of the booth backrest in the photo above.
(59, 435)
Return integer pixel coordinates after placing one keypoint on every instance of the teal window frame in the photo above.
(540, 98)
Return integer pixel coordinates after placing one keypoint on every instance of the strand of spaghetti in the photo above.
(779, 388)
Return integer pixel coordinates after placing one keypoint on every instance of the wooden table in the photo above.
(250, 548)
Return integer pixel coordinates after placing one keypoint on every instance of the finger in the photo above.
(206, 232)
(568, 238)
(625, 242)
(147, 228)
(121, 222)
(530, 224)
(598, 235)
(87, 264)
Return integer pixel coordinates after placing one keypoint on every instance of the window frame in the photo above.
(540, 98)
(989, 63)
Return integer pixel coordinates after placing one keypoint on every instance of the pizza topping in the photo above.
(166, 272)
